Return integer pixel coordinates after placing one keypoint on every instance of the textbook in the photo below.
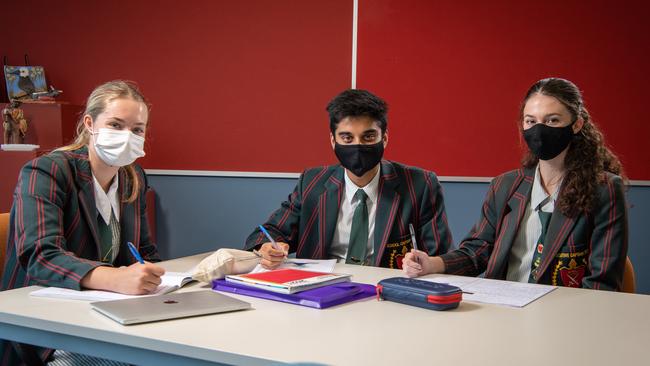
(288, 281)
(174, 280)
(170, 281)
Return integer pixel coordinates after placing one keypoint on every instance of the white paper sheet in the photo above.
(316, 265)
(170, 282)
(516, 294)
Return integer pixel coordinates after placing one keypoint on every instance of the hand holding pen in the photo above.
(141, 277)
(272, 252)
(418, 263)
(411, 265)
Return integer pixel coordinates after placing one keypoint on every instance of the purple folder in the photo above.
(320, 298)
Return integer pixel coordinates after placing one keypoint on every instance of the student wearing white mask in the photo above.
(76, 208)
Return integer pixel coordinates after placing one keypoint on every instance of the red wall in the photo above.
(242, 85)
(454, 73)
(234, 85)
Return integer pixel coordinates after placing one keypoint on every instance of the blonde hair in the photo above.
(95, 105)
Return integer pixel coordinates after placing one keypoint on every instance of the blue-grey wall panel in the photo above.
(202, 213)
(638, 199)
(199, 214)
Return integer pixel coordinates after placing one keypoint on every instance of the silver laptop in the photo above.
(169, 306)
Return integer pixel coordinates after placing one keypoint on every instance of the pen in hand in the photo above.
(415, 244)
(268, 236)
(135, 253)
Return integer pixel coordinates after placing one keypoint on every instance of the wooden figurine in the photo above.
(14, 123)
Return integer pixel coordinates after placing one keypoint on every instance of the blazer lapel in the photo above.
(508, 223)
(388, 200)
(86, 194)
(329, 203)
(557, 233)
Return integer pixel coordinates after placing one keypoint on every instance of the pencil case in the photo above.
(424, 294)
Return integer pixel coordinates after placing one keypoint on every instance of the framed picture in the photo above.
(22, 81)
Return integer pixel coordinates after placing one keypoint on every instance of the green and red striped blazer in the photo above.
(53, 238)
(587, 250)
(307, 220)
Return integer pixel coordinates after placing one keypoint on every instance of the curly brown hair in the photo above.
(587, 160)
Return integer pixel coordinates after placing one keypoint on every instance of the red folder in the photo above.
(288, 281)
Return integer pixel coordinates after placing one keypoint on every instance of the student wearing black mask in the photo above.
(357, 211)
(560, 219)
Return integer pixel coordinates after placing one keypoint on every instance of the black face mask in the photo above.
(548, 142)
(359, 159)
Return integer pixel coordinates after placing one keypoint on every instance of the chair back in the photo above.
(629, 280)
(4, 235)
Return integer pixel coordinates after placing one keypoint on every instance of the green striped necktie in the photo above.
(359, 231)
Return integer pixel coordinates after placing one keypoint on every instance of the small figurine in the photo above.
(14, 123)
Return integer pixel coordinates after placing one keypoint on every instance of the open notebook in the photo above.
(170, 282)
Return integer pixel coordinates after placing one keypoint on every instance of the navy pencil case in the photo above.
(424, 294)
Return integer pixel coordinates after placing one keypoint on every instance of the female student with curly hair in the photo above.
(76, 208)
(561, 218)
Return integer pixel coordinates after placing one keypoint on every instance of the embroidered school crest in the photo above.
(572, 275)
(395, 253)
(570, 269)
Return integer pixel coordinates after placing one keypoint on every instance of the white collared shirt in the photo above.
(530, 228)
(341, 239)
(104, 201)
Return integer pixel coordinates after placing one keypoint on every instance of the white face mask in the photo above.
(118, 147)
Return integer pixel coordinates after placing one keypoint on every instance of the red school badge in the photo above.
(572, 276)
(399, 259)
(397, 252)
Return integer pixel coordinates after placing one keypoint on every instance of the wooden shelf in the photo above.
(50, 125)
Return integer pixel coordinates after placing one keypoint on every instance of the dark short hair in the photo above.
(357, 103)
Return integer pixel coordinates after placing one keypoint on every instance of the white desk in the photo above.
(567, 326)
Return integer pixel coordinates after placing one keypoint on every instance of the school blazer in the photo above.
(307, 220)
(53, 236)
(587, 250)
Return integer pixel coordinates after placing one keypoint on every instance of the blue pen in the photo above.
(135, 252)
(268, 236)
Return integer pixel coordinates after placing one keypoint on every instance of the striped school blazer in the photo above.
(307, 220)
(53, 235)
(587, 250)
